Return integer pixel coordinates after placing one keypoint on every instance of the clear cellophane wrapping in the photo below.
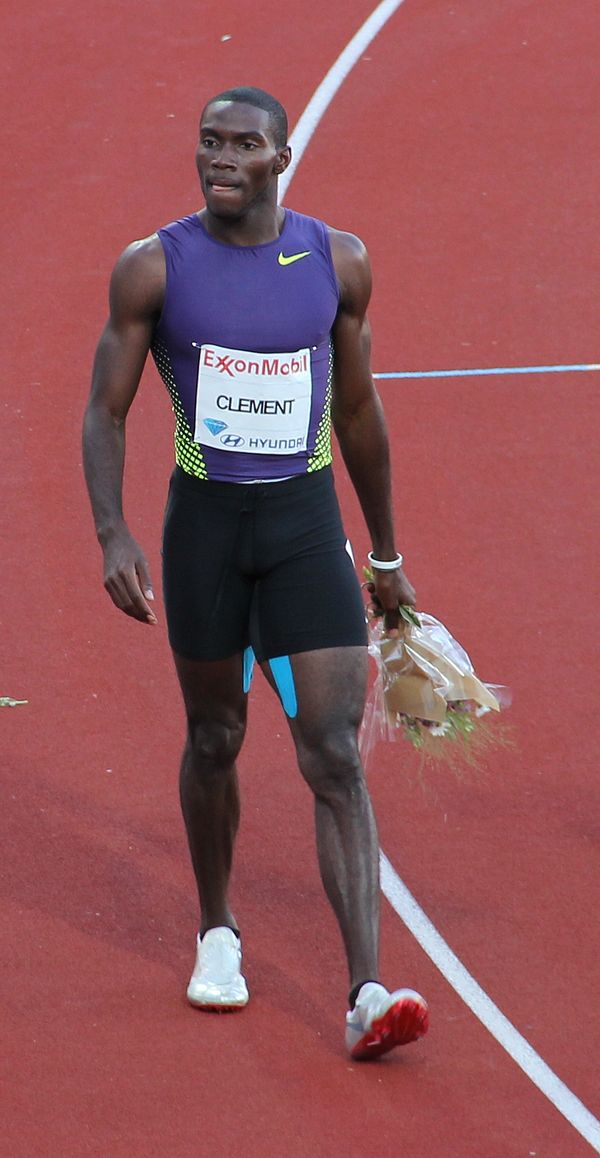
(425, 684)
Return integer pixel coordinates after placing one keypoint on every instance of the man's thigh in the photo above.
(207, 596)
(331, 685)
(213, 692)
(308, 595)
(323, 692)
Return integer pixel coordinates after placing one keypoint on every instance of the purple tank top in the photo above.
(244, 347)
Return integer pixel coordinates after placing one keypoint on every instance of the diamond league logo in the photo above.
(215, 425)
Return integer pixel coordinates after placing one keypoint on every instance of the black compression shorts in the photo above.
(258, 564)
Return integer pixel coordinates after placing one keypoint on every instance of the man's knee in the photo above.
(214, 744)
(331, 765)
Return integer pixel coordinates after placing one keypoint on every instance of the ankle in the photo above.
(354, 992)
(222, 925)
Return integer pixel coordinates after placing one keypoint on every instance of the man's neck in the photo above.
(257, 227)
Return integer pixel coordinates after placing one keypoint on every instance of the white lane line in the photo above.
(393, 887)
(422, 929)
(328, 88)
(578, 367)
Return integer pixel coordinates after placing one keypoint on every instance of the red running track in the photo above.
(463, 148)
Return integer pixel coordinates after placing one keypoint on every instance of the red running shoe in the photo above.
(381, 1020)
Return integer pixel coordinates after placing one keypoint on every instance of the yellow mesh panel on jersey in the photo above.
(321, 455)
(187, 452)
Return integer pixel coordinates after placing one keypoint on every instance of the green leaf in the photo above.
(409, 615)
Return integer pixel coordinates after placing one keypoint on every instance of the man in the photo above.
(256, 319)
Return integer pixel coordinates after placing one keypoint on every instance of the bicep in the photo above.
(118, 364)
(136, 294)
(352, 380)
(353, 384)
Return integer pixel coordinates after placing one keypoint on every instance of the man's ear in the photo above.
(284, 157)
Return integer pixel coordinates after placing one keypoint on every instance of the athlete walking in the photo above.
(256, 319)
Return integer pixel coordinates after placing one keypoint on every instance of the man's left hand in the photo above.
(388, 590)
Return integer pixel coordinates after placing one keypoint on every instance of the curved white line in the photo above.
(422, 929)
(399, 896)
(328, 88)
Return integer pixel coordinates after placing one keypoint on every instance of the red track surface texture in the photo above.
(463, 148)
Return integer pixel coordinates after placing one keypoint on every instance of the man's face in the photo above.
(237, 158)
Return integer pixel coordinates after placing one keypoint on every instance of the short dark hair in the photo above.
(247, 95)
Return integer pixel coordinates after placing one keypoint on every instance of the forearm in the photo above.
(103, 463)
(363, 439)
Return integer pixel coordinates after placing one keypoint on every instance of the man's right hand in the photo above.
(126, 576)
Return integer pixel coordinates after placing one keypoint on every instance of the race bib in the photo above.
(253, 403)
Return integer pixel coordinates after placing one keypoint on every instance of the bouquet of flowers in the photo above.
(426, 691)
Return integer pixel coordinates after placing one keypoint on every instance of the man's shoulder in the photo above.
(140, 256)
(139, 275)
(149, 251)
(351, 263)
(344, 242)
(347, 245)
(348, 253)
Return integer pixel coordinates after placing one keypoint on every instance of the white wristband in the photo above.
(385, 564)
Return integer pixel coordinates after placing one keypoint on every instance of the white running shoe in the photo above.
(382, 1020)
(216, 982)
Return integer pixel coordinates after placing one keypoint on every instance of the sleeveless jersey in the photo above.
(244, 348)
